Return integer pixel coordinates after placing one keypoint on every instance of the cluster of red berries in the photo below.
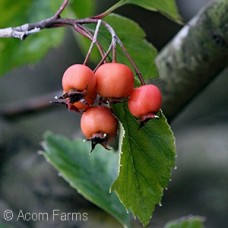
(91, 93)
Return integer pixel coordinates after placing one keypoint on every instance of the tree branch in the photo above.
(62, 7)
(21, 32)
(197, 54)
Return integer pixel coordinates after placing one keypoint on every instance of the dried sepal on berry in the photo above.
(145, 102)
(99, 125)
(78, 83)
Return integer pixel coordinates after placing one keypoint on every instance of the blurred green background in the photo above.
(199, 185)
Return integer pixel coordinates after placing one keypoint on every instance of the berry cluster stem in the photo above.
(116, 39)
(62, 7)
(137, 71)
(93, 42)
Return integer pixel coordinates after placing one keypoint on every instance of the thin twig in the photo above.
(104, 57)
(23, 31)
(115, 39)
(90, 36)
(18, 32)
(82, 31)
(62, 7)
(138, 73)
(112, 46)
(110, 10)
(94, 41)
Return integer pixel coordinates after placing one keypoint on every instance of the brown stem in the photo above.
(94, 41)
(82, 31)
(104, 57)
(62, 7)
(110, 10)
(138, 73)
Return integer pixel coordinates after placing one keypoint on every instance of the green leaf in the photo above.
(91, 174)
(15, 52)
(186, 222)
(147, 158)
(83, 8)
(166, 7)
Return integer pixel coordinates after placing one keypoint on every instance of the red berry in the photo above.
(145, 101)
(99, 125)
(114, 80)
(78, 85)
(77, 76)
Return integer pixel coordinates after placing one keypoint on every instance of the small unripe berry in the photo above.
(145, 101)
(114, 80)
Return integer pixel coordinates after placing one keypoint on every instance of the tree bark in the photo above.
(197, 54)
